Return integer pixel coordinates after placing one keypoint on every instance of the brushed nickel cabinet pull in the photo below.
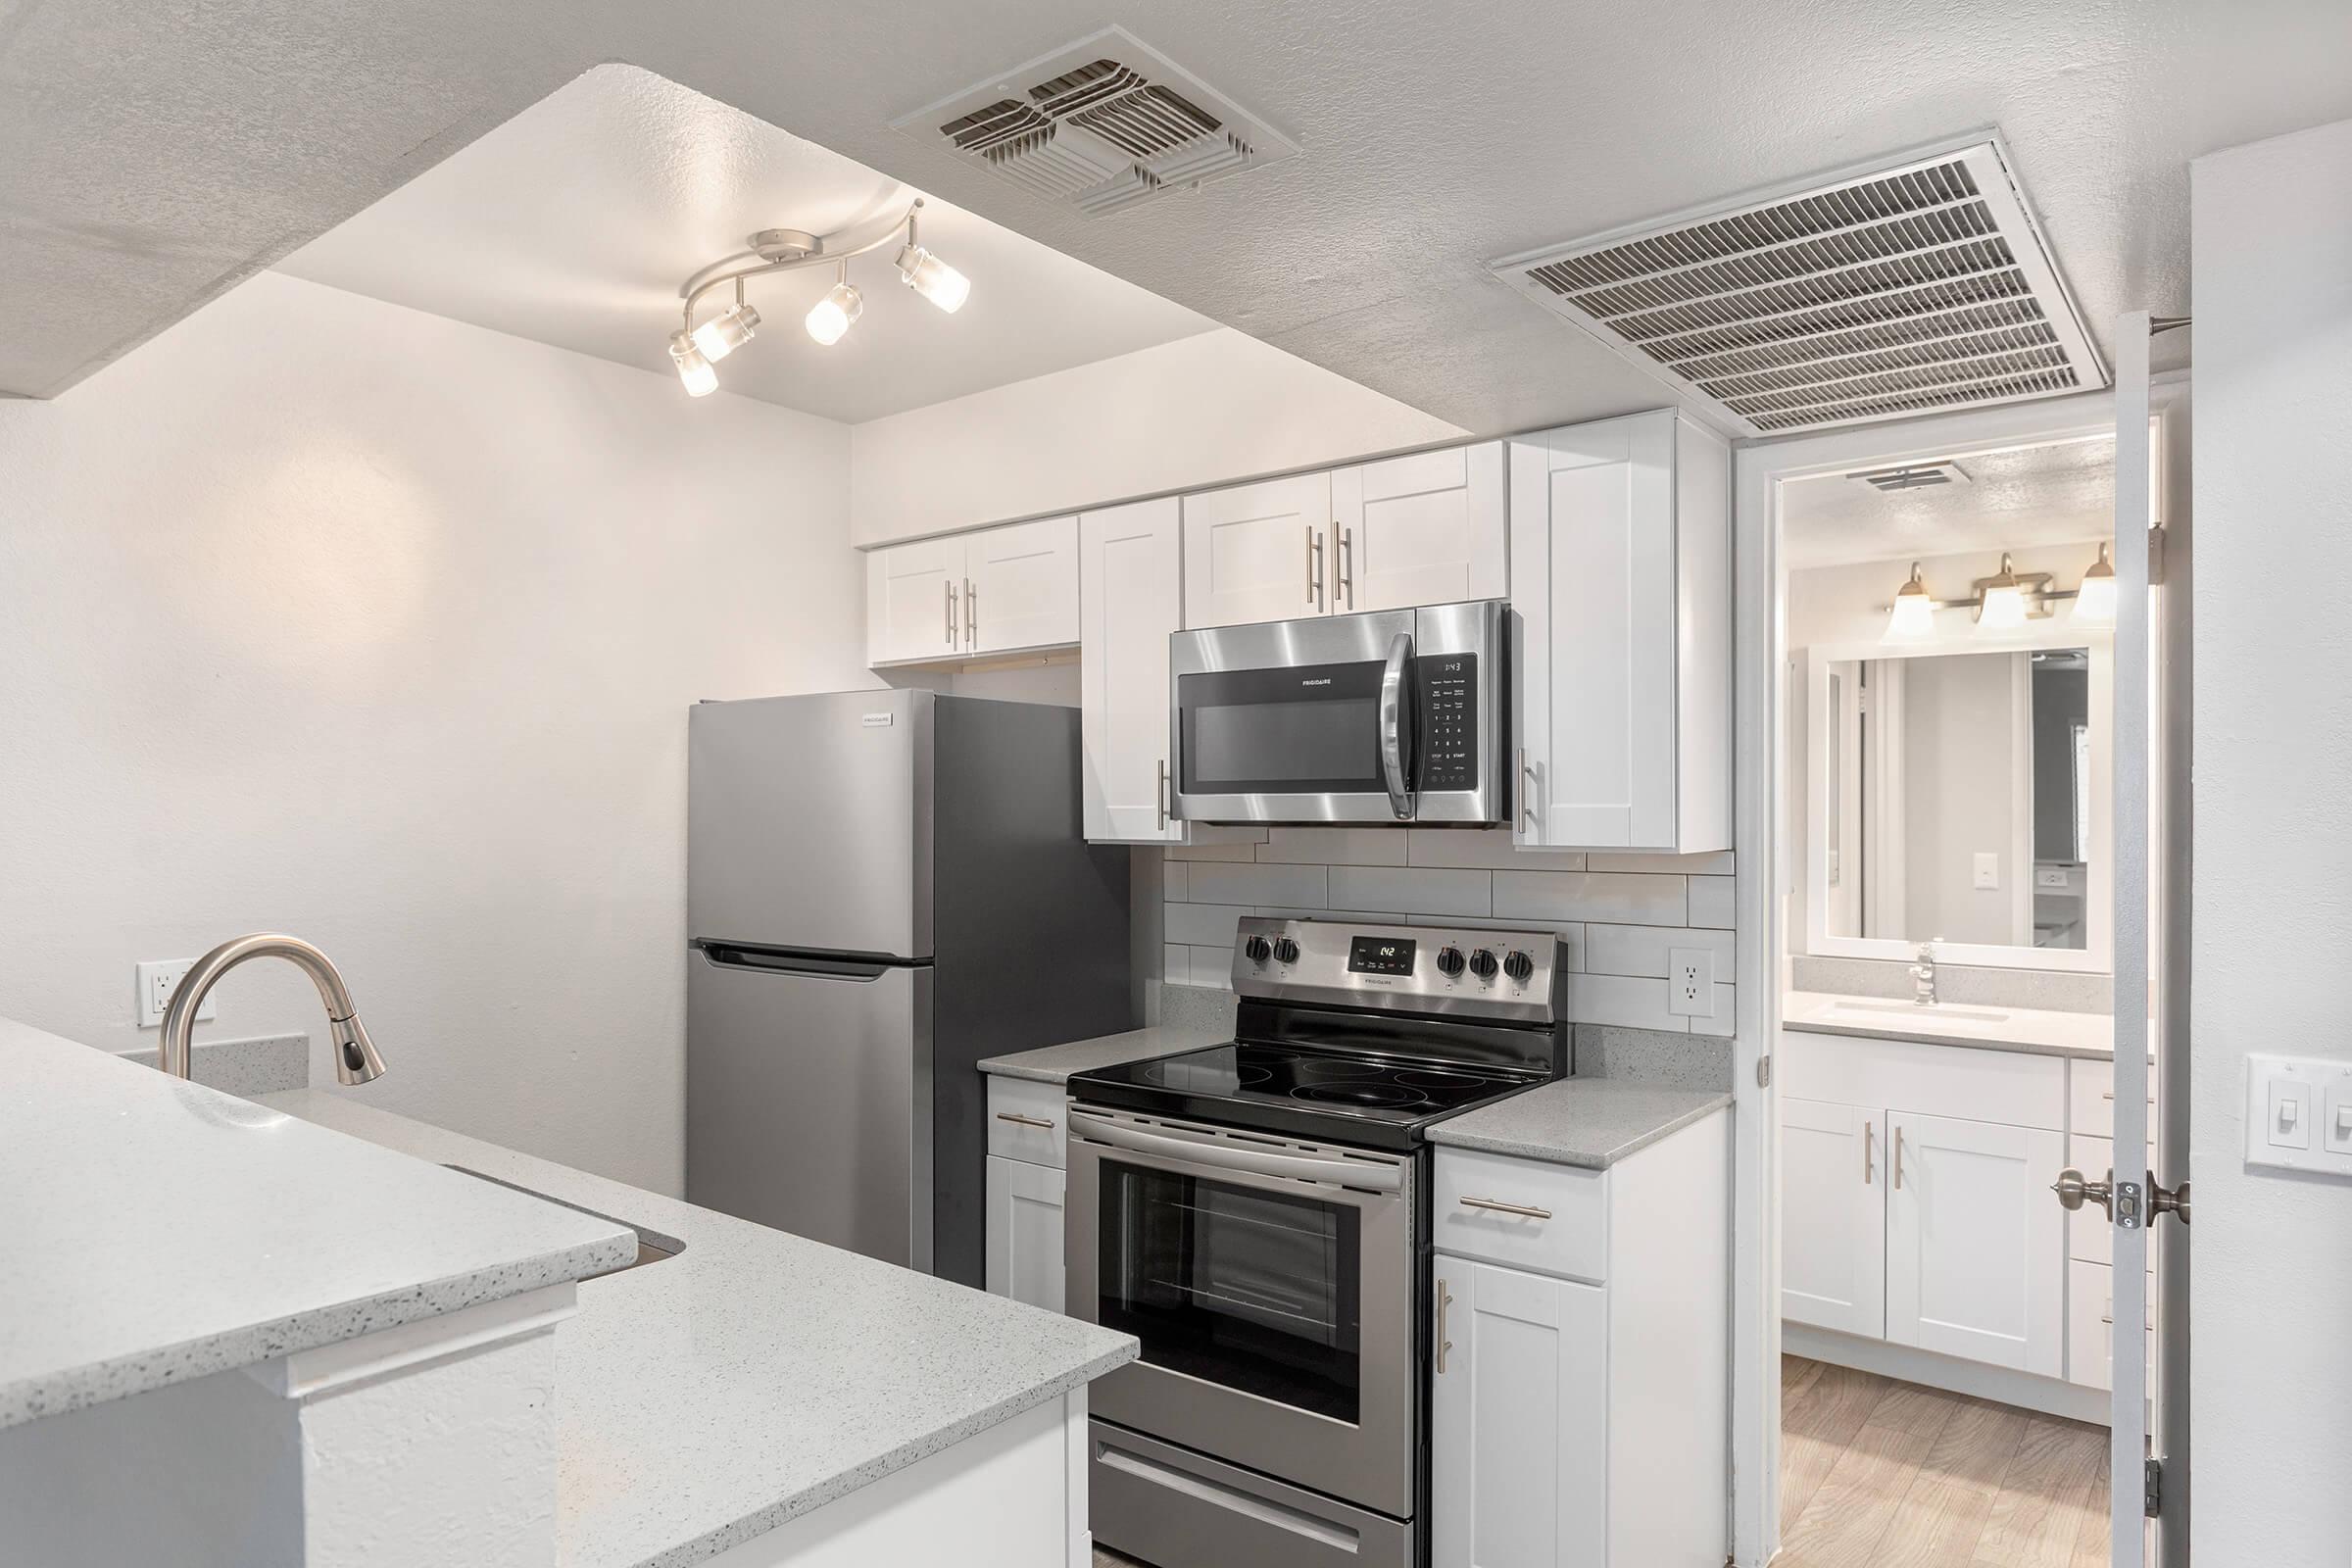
(1501, 1208)
(1020, 1121)
(1870, 1133)
(950, 614)
(1311, 563)
(1898, 1158)
(1444, 1301)
(1347, 567)
(1160, 793)
(971, 613)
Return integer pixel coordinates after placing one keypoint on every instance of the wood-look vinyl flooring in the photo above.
(1880, 1474)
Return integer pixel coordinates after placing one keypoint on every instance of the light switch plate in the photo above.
(2296, 1114)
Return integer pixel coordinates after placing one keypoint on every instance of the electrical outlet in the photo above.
(158, 979)
(1989, 871)
(1691, 982)
(2050, 876)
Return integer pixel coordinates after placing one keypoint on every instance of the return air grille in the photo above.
(1899, 291)
(1103, 125)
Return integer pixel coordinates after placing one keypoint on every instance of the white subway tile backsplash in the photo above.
(1199, 853)
(1625, 898)
(1346, 916)
(1718, 1022)
(1176, 965)
(1210, 966)
(1201, 925)
(1417, 888)
(1304, 887)
(1641, 949)
(1488, 848)
(1334, 846)
(1717, 864)
(1711, 902)
(1637, 1004)
(1172, 884)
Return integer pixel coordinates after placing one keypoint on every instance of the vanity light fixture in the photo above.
(2094, 601)
(2001, 599)
(694, 349)
(1914, 612)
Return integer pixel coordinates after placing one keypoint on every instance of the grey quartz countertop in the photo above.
(2031, 1031)
(1592, 1123)
(706, 1398)
(1054, 1064)
(159, 1231)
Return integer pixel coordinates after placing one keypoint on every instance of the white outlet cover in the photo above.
(1989, 871)
(2318, 1091)
(1691, 982)
(157, 977)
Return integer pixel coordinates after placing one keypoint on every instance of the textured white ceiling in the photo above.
(2015, 499)
(574, 222)
(154, 156)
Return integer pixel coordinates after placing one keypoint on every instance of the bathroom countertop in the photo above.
(2088, 1036)
(1591, 1122)
(160, 1231)
(709, 1397)
(1054, 1064)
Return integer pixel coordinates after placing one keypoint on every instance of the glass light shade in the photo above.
(725, 332)
(829, 317)
(693, 370)
(1914, 617)
(933, 278)
(2001, 605)
(2094, 601)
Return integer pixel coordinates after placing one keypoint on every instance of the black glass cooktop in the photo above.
(1377, 1101)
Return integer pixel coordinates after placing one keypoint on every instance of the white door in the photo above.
(1425, 529)
(1519, 1396)
(914, 601)
(1021, 586)
(1024, 1232)
(1592, 576)
(1258, 552)
(1975, 1249)
(1129, 600)
(1834, 1216)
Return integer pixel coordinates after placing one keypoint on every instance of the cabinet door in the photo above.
(914, 601)
(1024, 1232)
(1424, 529)
(1834, 1216)
(1975, 1246)
(1258, 552)
(1129, 600)
(1022, 586)
(1519, 1390)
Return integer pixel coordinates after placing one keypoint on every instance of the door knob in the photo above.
(2173, 1201)
(2073, 1191)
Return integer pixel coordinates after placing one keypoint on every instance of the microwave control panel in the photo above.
(1447, 742)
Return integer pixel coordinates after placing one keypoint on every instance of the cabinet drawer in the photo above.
(2092, 1086)
(1025, 1120)
(1564, 1229)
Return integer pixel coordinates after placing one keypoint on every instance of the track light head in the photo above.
(727, 331)
(693, 370)
(829, 317)
(933, 278)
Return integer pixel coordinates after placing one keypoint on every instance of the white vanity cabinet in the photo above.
(1579, 1372)
(970, 595)
(1834, 1216)
(1024, 1199)
(1621, 573)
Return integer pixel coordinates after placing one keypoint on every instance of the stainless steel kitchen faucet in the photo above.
(355, 1060)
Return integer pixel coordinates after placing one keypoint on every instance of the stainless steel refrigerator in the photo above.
(883, 888)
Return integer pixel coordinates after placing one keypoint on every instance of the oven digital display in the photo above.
(1380, 955)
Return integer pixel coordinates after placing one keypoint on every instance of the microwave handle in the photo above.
(1393, 741)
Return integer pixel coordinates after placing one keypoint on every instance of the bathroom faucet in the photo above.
(1923, 976)
(355, 1060)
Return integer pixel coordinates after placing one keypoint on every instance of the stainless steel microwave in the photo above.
(1394, 716)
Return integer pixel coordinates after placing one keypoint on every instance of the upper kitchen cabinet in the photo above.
(967, 596)
(1258, 552)
(1129, 600)
(1426, 529)
(1621, 573)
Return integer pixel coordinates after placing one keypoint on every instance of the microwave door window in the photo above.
(1292, 731)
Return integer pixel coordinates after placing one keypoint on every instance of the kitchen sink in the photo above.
(651, 1246)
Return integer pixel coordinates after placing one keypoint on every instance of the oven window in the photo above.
(1304, 729)
(1256, 1290)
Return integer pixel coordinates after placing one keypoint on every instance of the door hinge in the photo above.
(1764, 1072)
(2156, 555)
(2151, 1495)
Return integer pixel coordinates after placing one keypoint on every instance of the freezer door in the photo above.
(808, 1099)
(809, 822)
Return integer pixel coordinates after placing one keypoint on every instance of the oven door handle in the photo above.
(1393, 742)
(1379, 1176)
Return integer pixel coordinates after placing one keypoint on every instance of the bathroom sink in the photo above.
(652, 1248)
(1881, 1013)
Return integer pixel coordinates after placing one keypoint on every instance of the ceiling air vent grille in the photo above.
(1899, 291)
(1103, 125)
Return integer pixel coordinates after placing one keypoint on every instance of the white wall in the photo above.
(331, 617)
(1200, 411)
(2270, 1276)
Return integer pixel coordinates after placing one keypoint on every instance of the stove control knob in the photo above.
(1450, 962)
(1285, 951)
(1257, 950)
(1519, 966)
(1482, 965)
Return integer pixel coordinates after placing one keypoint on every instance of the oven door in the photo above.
(1271, 1284)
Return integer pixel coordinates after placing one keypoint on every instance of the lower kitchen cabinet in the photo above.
(1024, 1232)
(1834, 1216)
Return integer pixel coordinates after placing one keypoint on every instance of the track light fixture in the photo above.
(695, 348)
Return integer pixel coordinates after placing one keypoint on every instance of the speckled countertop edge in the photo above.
(2025, 1020)
(1054, 1064)
(1591, 1123)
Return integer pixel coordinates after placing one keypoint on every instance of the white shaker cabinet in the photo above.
(1427, 528)
(1621, 573)
(1024, 1232)
(1258, 552)
(914, 601)
(1834, 1216)
(1129, 598)
(969, 595)
(1976, 1243)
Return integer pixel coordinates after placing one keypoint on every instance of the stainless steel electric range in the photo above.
(1257, 1214)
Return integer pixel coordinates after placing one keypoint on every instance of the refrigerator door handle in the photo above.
(819, 966)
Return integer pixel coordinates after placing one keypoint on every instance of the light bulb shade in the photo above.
(829, 317)
(725, 332)
(933, 278)
(693, 370)
(2094, 601)
(1914, 612)
(2002, 603)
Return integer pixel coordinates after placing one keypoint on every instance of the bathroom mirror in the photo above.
(1957, 795)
